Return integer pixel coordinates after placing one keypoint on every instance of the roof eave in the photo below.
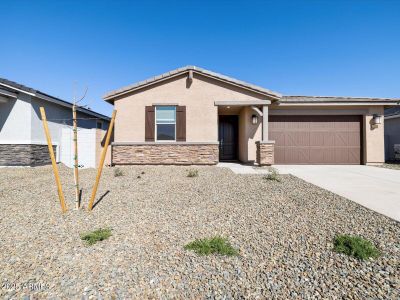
(69, 105)
(55, 100)
(336, 103)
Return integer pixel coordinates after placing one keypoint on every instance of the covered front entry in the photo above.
(316, 139)
(228, 137)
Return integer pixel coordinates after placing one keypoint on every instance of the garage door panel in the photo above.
(297, 138)
(276, 126)
(342, 155)
(354, 155)
(321, 125)
(304, 154)
(279, 153)
(316, 139)
(294, 154)
(354, 139)
(321, 138)
(297, 126)
(341, 139)
(278, 137)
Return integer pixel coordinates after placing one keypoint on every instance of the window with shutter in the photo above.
(165, 123)
(165, 129)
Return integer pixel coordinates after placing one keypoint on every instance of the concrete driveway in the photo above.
(375, 188)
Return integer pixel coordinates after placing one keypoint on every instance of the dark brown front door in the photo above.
(316, 139)
(228, 137)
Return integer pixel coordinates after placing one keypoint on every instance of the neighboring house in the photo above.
(392, 133)
(22, 138)
(194, 116)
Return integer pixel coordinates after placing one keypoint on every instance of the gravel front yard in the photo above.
(283, 231)
(392, 165)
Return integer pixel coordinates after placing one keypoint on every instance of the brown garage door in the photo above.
(316, 139)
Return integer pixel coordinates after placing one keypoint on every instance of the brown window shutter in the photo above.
(149, 124)
(181, 123)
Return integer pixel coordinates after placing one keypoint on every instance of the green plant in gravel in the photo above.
(273, 175)
(118, 172)
(193, 173)
(214, 245)
(355, 246)
(93, 237)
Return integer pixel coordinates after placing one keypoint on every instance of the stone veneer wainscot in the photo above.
(165, 153)
(24, 155)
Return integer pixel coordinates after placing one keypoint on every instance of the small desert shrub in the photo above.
(193, 173)
(355, 246)
(273, 175)
(215, 245)
(118, 172)
(93, 237)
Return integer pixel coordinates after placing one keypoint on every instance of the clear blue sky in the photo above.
(344, 48)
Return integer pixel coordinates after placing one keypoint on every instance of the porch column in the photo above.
(265, 124)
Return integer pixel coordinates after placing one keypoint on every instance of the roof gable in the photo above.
(110, 97)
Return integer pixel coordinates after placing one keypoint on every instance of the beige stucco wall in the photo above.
(373, 136)
(198, 97)
(202, 114)
(248, 135)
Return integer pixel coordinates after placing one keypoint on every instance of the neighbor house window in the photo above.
(165, 123)
(99, 125)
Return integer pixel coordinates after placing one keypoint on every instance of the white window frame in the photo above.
(155, 124)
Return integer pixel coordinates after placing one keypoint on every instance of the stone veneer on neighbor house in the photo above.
(265, 153)
(176, 153)
(24, 155)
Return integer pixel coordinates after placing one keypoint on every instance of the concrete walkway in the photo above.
(375, 188)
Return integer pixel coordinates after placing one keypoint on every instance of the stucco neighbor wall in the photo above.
(55, 114)
(21, 124)
(15, 120)
(198, 97)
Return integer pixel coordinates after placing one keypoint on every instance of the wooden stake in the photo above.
(53, 161)
(75, 140)
(103, 157)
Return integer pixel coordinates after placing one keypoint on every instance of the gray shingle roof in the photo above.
(111, 95)
(393, 111)
(330, 99)
(39, 94)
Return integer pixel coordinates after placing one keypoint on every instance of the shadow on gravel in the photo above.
(101, 198)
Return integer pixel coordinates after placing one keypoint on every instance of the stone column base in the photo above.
(174, 153)
(265, 153)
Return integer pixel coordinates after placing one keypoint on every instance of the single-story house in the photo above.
(392, 133)
(194, 116)
(22, 138)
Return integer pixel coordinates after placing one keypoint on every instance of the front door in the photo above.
(228, 137)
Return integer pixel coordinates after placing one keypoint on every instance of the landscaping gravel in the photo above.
(283, 231)
(393, 166)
